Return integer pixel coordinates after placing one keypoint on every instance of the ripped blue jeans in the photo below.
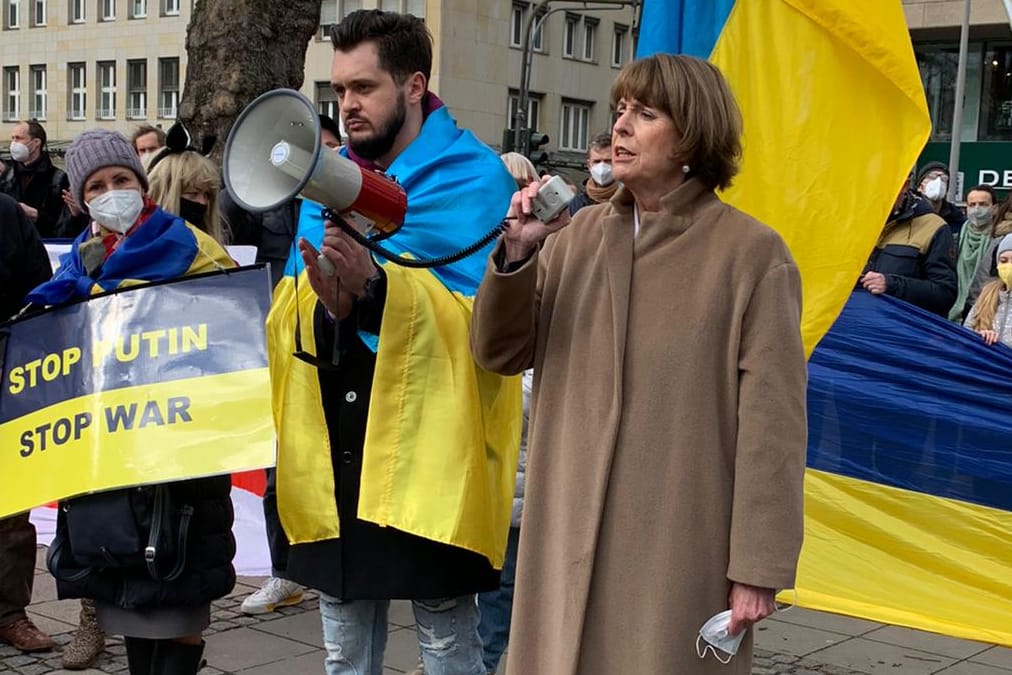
(355, 635)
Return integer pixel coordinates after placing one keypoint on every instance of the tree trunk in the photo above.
(237, 50)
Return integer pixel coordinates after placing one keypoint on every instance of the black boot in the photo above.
(177, 658)
(140, 652)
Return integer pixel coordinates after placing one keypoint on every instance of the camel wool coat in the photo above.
(667, 430)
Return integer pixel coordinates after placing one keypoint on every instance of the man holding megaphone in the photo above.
(396, 452)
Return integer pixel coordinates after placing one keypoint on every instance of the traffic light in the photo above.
(507, 140)
(535, 140)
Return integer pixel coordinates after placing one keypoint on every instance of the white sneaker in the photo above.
(275, 592)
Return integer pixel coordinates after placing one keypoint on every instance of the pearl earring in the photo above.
(685, 168)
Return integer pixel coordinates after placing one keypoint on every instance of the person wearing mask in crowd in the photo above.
(914, 258)
(273, 233)
(186, 183)
(601, 185)
(130, 236)
(974, 240)
(678, 443)
(989, 316)
(386, 488)
(987, 270)
(148, 141)
(23, 265)
(933, 183)
(36, 183)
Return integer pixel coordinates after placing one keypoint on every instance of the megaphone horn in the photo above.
(274, 154)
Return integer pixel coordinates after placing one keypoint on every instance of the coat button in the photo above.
(347, 457)
(351, 397)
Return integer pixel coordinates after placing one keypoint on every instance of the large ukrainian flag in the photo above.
(835, 117)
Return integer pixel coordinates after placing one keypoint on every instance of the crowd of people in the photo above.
(664, 489)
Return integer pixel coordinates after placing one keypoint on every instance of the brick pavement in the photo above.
(288, 642)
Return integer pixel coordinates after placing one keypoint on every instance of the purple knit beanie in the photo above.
(97, 149)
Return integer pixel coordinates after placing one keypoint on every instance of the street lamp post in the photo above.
(521, 130)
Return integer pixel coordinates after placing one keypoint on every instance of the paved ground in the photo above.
(798, 642)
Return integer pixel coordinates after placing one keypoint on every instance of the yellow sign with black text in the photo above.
(147, 385)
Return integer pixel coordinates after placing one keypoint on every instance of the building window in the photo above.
(569, 36)
(518, 24)
(106, 90)
(168, 88)
(413, 7)
(12, 93)
(326, 101)
(328, 17)
(78, 93)
(12, 19)
(938, 65)
(39, 97)
(107, 10)
(138, 9)
(533, 110)
(619, 46)
(575, 123)
(346, 7)
(77, 11)
(137, 89)
(38, 12)
(996, 95)
(589, 39)
(170, 7)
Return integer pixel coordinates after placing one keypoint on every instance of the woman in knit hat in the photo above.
(131, 240)
(989, 317)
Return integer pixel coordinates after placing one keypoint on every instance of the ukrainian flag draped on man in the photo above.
(442, 436)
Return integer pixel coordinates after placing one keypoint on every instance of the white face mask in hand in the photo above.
(116, 210)
(714, 634)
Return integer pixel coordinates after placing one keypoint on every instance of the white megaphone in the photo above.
(274, 154)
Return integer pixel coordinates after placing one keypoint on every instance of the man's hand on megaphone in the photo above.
(353, 263)
(524, 232)
(328, 288)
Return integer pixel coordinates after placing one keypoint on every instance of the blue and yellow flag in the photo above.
(834, 115)
(908, 498)
(443, 435)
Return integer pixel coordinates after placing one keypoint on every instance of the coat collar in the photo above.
(680, 206)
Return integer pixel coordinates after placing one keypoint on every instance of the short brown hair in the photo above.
(694, 94)
(144, 130)
(402, 40)
(600, 142)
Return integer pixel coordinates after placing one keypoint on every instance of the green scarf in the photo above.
(972, 246)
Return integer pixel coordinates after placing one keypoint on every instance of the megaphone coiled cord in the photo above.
(416, 263)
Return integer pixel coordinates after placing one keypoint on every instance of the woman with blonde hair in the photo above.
(663, 501)
(989, 316)
(186, 183)
(520, 168)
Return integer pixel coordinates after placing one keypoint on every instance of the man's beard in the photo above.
(382, 141)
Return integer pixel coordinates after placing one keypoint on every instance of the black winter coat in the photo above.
(24, 263)
(208, 574)
(369, 561)
(272, 232)
(916, 254)
(41, 186)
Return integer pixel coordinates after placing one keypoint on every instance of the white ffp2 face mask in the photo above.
(20, 152)
(601, 173)
(116, 210)
(936, 188)
(714, 634)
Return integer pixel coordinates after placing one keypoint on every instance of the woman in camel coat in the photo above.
(667, 430)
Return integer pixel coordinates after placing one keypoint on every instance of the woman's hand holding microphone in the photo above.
(524, 232)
